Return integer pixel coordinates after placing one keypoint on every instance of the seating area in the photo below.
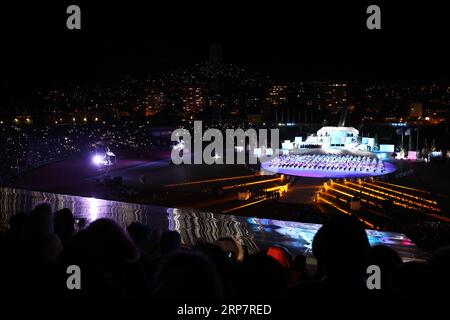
(144, 262)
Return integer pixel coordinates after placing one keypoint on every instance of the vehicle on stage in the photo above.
(102, 155)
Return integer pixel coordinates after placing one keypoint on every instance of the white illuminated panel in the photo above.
(386, 148)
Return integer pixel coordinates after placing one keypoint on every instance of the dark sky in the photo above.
(285, 39)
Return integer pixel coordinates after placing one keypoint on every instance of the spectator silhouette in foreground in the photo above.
(260, 277)
(11, 245)
(109, 260)
(170, 242)
(440, 268)
(300, 268)
(224, 265)
(64, 224)
(284, 258)
(139, 233)
(42, 245)
(187, 276)
(412, 280)
(233, 248)
(12, 257)
(341, 248)
(36, 248)
(388, 260)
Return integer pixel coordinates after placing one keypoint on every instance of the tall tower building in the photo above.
(193, 100)
(215, 59)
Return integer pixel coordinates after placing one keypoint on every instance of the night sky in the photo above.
(286, 39)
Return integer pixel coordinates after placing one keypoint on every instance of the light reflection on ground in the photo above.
(252, 232)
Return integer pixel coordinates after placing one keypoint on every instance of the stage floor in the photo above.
(255, 233)
(315, 173)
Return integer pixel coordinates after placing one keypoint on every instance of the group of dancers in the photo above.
(329, 162)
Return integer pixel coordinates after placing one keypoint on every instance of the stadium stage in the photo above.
(329, 164)
(254, 233)
(315, 173)
(333, 152)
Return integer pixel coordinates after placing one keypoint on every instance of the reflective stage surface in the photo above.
(253, 232)
(320, 173)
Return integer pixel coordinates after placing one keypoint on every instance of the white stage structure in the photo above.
(332, 138)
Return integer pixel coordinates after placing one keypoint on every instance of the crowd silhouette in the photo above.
(144, 262)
